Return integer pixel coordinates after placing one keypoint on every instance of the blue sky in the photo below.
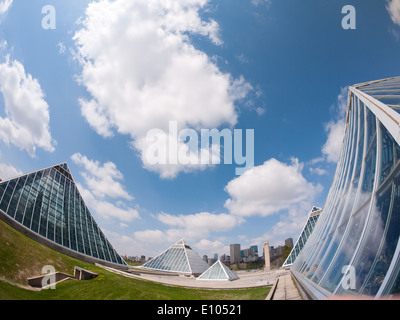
(89, 91)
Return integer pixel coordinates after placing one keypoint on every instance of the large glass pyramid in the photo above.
(179, 258)
(46, 205)
(218, 271)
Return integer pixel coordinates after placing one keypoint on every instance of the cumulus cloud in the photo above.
(142, 71)
(102, 179)
(270, 188)
(318, 171)
(106, 209)
(336, 129)
(102, 186)
(393, 7)
(206, 245)
(150, 236)
(188, 160)
(192, 227)
(5, 5)
(8, 172)
(126, 245)
(203, 221)
(26, 124)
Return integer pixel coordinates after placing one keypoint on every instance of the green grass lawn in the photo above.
(109, 286)
(22, 258)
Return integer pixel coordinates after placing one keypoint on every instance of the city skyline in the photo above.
(84, 82)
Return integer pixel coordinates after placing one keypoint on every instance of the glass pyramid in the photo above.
(46, 205)
(179, 258)
(305, 234)
(218, 271)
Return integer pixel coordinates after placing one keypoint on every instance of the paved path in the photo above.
(246, 280)
(286, 290)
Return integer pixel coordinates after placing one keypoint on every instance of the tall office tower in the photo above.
(289, 242)
(255, 248)
(235, 253)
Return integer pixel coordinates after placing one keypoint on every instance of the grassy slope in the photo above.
(21, 258)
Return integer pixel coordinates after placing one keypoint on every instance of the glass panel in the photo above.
(387, 247)
(346, 251)
(3, 187)
(7, 195)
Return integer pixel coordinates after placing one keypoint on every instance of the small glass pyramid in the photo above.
(218, 271)
(179, 258)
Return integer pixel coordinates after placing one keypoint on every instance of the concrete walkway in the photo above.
(245, 281)
(285, 289)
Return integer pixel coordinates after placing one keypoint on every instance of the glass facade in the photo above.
(354, 248)
(218, 271)
(179, 258)
(305, 234)
(47, 205)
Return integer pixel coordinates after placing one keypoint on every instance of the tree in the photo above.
(286, 251)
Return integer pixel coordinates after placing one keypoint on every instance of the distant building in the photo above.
(289, 242)
(235, 253)
(255, 248)
(276, 253)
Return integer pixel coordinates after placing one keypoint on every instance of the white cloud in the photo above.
(142, 71)
(192, 227)
(102, 179)
(7, 172)
(257, 3)
(150, 236)
(333, 145)
(206, 245)
(61, 47)
(126, 245)
(393, 7)
(106, 209)
(26, 124)
(5, 5)
(270, 188)
(170, 171)
(318, 171)
(336, 129)
(203, 222)
(3, 45)
(101, 184)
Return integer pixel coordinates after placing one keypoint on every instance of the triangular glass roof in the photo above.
(179, 258)
(47, 205)
(218, 271)
(305, 234)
